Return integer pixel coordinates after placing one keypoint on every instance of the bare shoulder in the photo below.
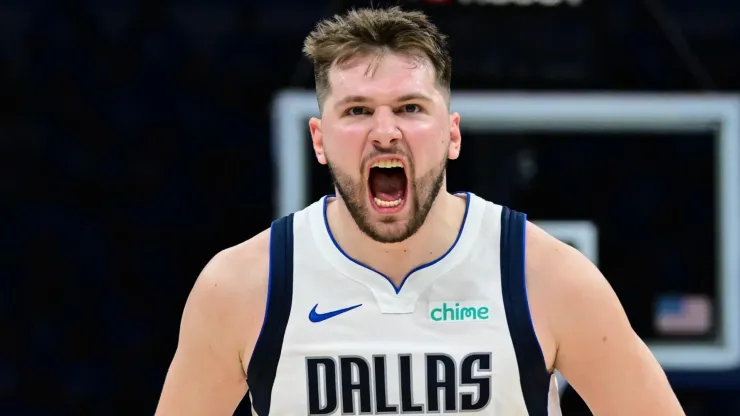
(545, 257)
(561, 281)
(554, 265)
(234, 286)
(219, 328)
(584, 332)
(241, 268)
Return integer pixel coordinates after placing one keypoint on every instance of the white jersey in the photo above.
(456, 337)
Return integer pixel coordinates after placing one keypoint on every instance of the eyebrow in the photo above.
(357, 99)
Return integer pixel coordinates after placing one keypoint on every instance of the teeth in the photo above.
(387, 164)
(387, 204)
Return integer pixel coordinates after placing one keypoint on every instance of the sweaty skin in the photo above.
(581, 326)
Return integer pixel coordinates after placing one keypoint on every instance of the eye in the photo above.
(356, 111)
(411, 108)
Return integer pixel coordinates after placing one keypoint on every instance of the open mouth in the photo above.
(387, 183)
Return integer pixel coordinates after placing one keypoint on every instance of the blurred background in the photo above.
(139, 138)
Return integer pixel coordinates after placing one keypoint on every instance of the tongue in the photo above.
(387, 184)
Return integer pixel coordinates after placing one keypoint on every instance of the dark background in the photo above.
(135, 145)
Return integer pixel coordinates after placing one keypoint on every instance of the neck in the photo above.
(396, 260)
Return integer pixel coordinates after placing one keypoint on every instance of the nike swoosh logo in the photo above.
(314, 316)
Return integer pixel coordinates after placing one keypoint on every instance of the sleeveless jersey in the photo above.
(456, 337)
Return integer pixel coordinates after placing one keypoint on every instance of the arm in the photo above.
(596, 349)
(220, 325)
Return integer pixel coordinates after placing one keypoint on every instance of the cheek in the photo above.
(427, 146)
(345, 145)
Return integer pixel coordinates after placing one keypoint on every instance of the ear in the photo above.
(317, 138)
(455, 137)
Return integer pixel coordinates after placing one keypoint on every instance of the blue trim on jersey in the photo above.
(534, 377)
(270, 264)
(423, 266)
(263, 364)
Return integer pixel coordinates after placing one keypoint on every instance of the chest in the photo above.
(342, 352)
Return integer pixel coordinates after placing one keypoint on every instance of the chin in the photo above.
(386, 229)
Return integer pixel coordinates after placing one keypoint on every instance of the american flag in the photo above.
(683, 315)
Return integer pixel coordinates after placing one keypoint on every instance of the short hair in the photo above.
(376, 31)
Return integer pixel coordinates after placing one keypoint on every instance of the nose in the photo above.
(385, 132)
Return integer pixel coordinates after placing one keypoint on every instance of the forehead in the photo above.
(381, 76)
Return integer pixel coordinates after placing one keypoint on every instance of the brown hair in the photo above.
(375, 31)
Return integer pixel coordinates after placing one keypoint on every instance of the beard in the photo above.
(421, 194)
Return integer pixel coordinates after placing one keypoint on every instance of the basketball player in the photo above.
(395, 296)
